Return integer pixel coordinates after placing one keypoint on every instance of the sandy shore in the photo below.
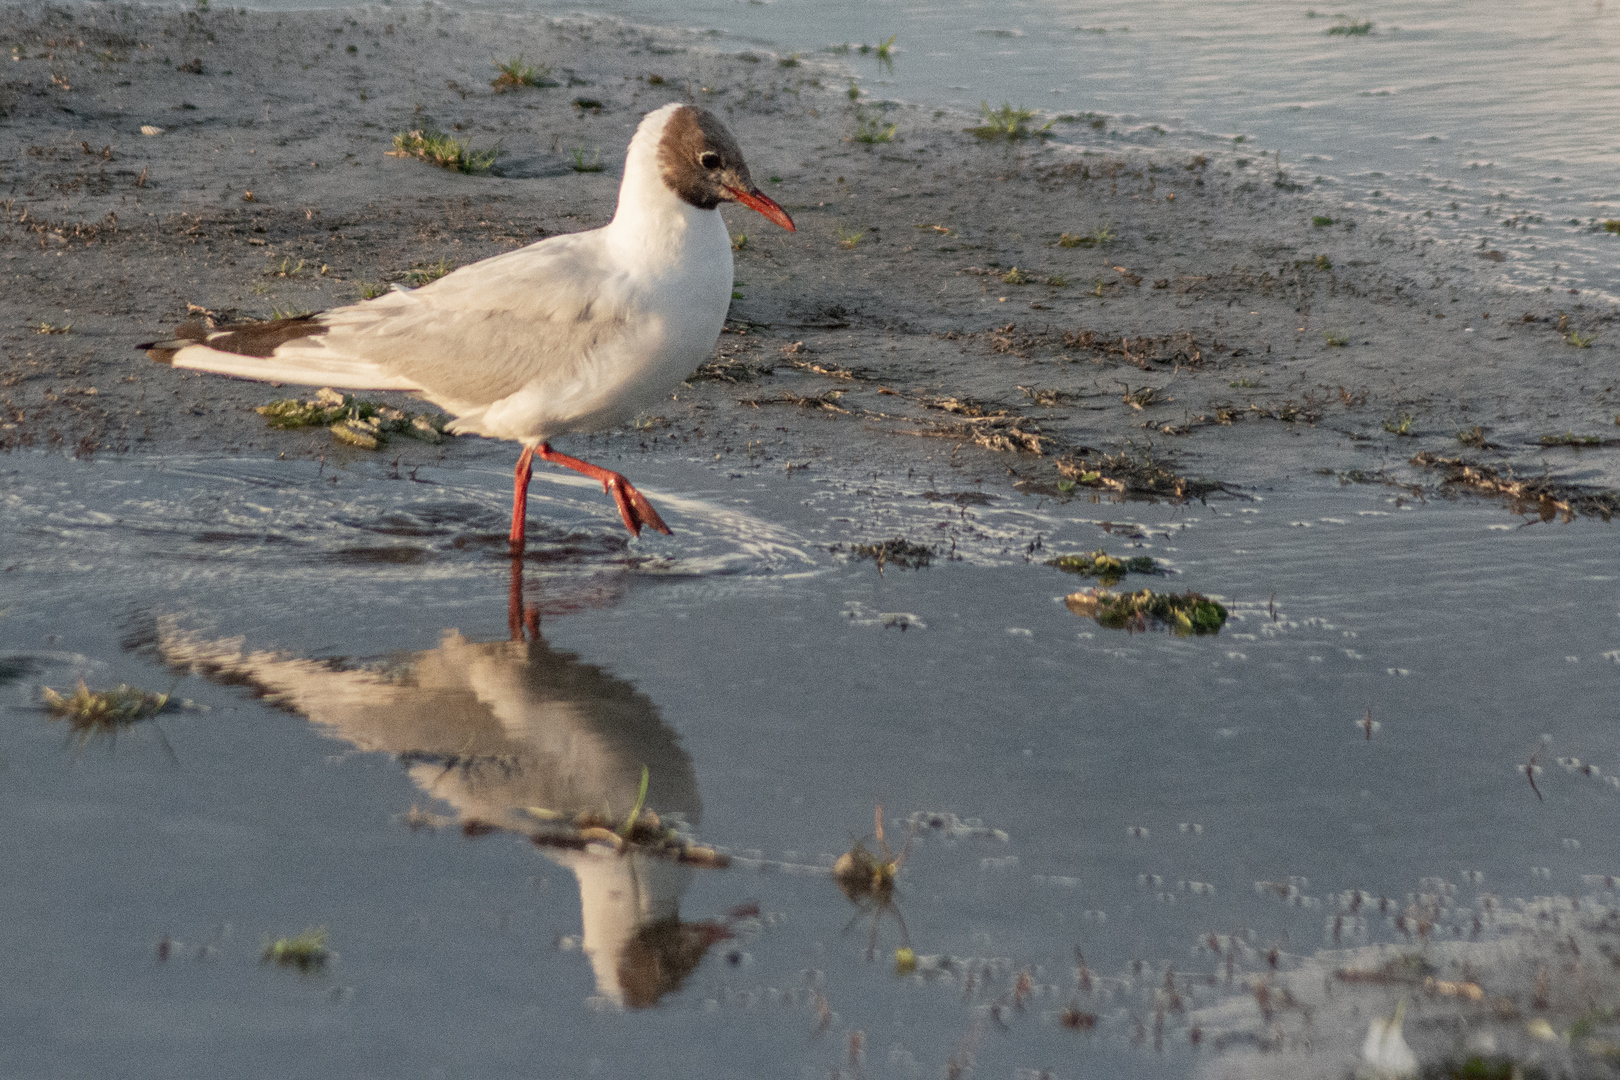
(927, 293)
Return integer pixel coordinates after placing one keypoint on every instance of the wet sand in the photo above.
(893, 313)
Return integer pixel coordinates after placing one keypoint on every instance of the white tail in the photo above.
(306, 366)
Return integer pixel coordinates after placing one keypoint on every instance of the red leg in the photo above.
(520, 498)
(634, 508)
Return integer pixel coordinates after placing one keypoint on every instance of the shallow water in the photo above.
(1125, 793)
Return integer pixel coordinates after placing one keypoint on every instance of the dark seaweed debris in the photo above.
(1183, 614)
(1546, 496)
(896, 552)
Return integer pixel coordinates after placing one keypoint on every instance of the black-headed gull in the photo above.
(573, 334)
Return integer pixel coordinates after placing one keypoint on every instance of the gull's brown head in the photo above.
(702, 163)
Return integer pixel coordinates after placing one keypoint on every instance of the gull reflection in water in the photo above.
(513, 734)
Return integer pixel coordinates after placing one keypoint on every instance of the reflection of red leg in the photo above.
(634, 508)
(519, 616)
(514, 600)
(520, 498)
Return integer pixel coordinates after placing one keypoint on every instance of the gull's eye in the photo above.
(709, 159)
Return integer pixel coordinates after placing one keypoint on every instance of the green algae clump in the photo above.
(1103, 566)
(366, 424)
(306, 952)
(1183, 614)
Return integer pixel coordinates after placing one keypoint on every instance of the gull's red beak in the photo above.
(759, 201)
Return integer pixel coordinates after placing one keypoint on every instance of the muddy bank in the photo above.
(1075, 314)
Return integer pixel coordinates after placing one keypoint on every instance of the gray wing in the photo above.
(543, 317)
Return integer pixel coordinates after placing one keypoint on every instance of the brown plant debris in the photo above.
(91, 714)
(827, 401)
(827, 368)
(1138, 473)
(1077, 1019)
(1144, 397)
(993, 428)
(642, 833)
(1007, 435)
(962, 407)
(1048, 397)
(1545, 496)
(728, 371)
(1142, 350)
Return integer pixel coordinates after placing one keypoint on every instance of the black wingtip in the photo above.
(190, 332)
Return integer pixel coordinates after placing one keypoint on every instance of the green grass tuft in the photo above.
(1101, 236)
(1009, 122)
(593, 165)
(437, 148)
(635, 811)
(425, 273)
(871, 130)
(516, 74)
(885, 53)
